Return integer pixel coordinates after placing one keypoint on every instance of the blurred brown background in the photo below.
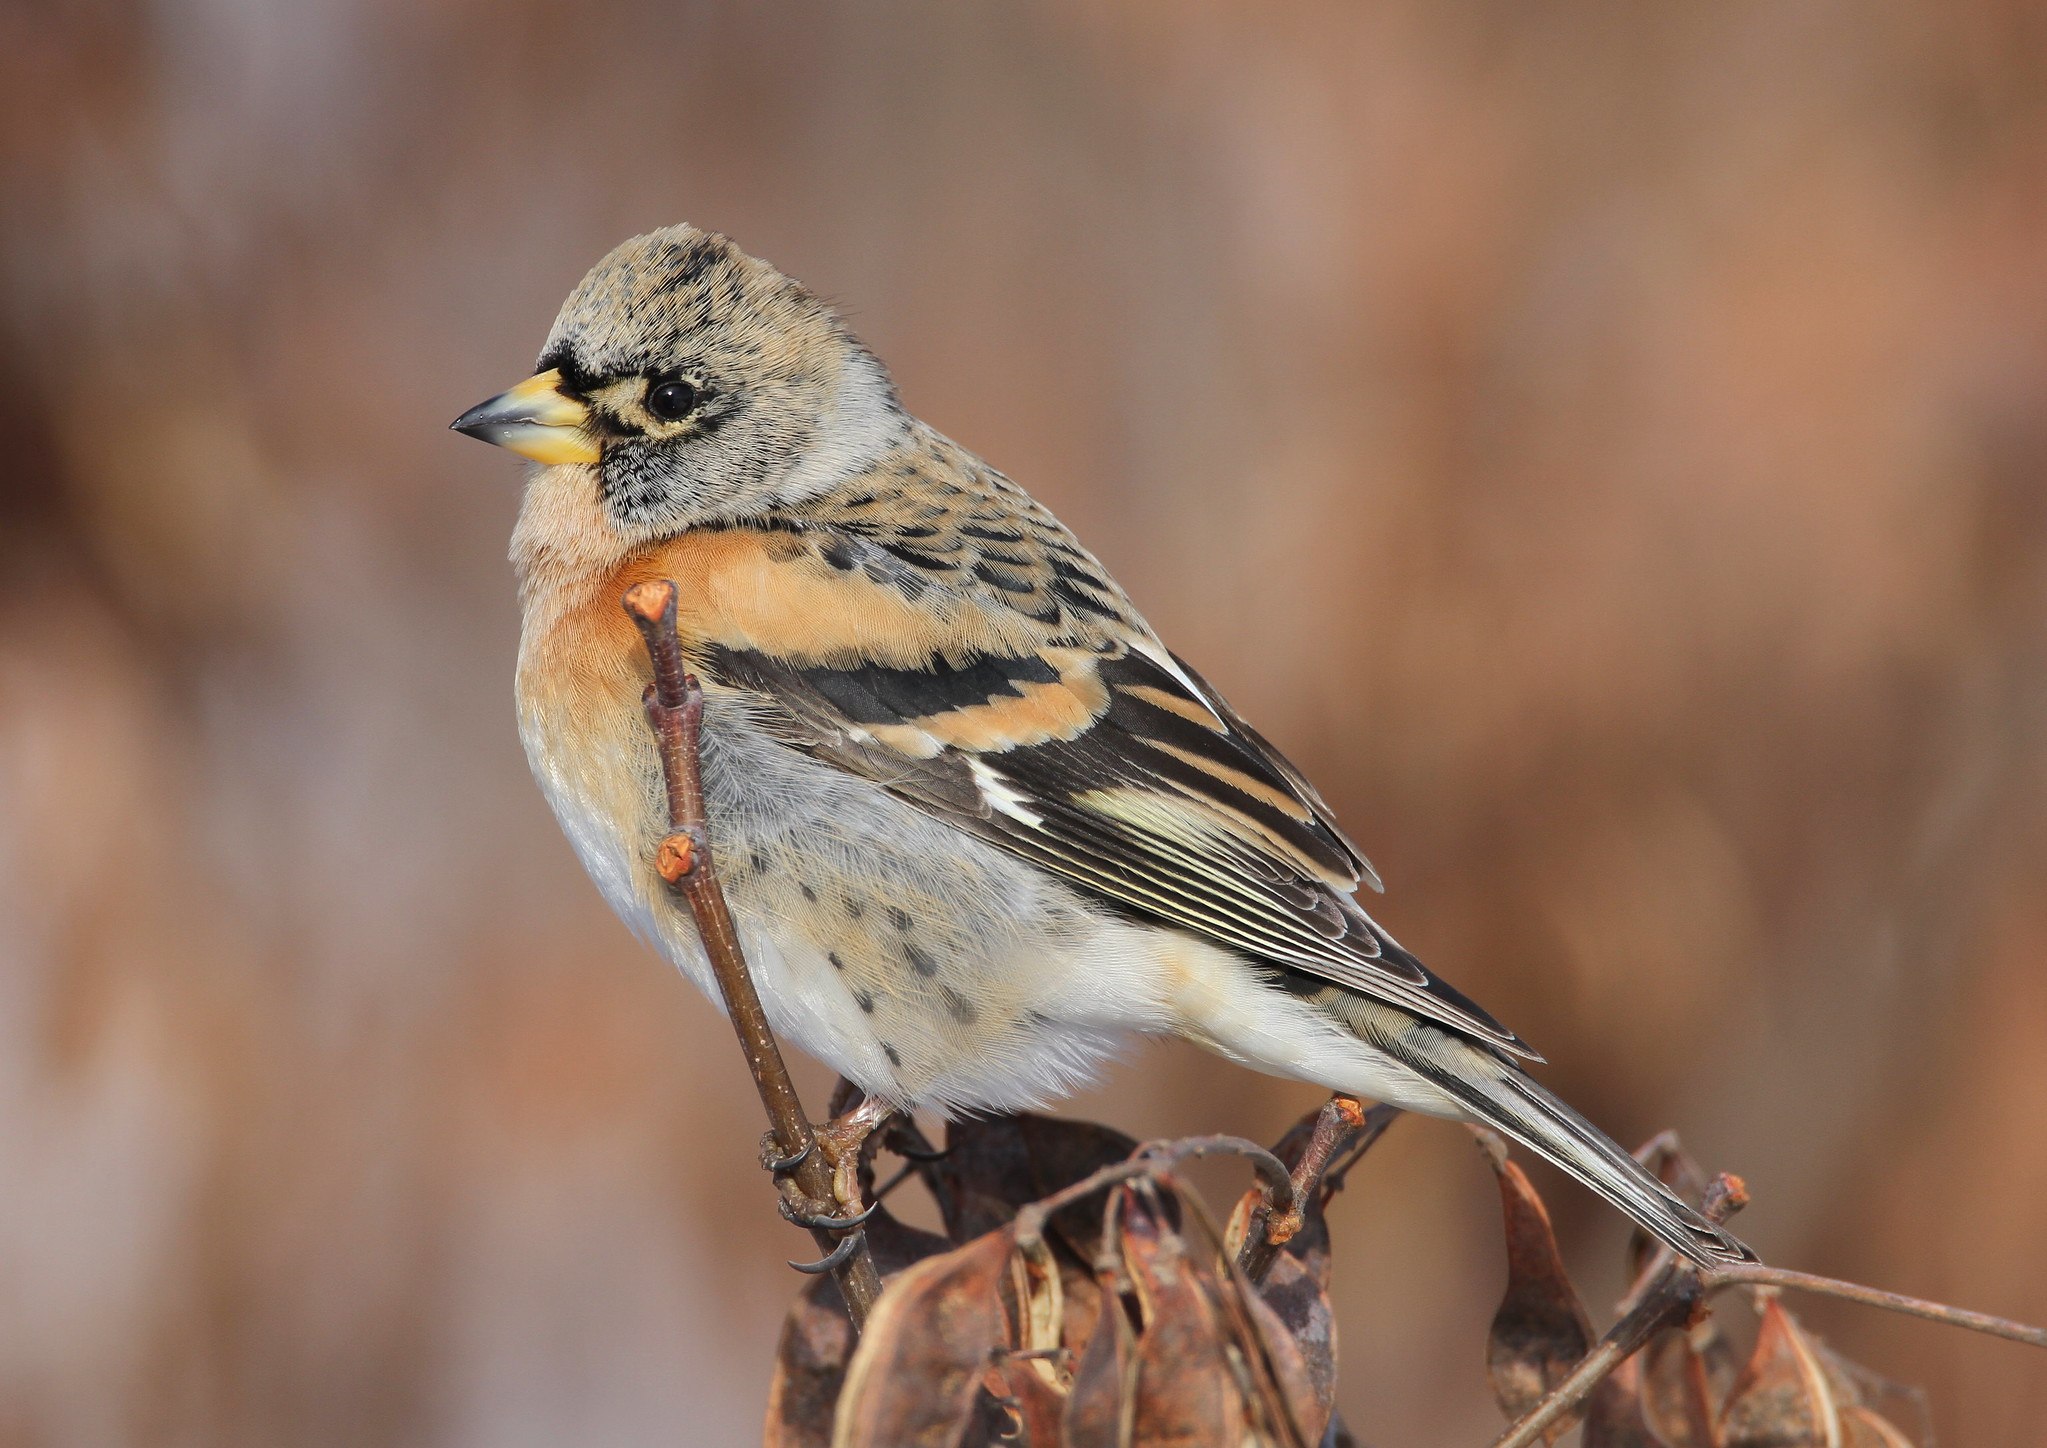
(1607, 446)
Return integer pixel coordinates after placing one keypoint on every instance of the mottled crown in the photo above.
(681, 297)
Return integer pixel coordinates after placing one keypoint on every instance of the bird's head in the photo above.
(687, 382)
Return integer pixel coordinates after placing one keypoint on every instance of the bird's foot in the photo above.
(840, 1143)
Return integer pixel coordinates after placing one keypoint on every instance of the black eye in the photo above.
(671, 401)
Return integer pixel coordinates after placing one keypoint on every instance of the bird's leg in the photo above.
(842, 1140)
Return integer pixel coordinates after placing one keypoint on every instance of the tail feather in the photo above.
(1551, 1129)
(1503, 1097)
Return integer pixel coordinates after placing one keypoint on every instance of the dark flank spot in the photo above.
(865, 1000)
(894, 1058)
(920, 962)
(959, 1007)
(808, 893)
(899, 917)
(860, 500)
(918, 531)
(757, 862)
(855, 908)
(839, 553)
(833, 957)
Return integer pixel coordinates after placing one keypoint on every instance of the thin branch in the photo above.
(1342, 1131)
(1151, 1159)
(675, 711)
(1755, 1274)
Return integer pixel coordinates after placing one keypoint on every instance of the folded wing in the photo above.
(1106, 760)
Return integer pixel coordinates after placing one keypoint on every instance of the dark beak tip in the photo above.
(468, 423)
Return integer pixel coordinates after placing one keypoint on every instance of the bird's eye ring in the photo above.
(672, 401)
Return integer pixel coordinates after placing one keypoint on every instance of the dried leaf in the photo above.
(1035, 1403)
(1613, 1415)
(1782, 1399)
(1101, 1406)
(1276, 1379)
(1677, 1398)
(1304, 1320)
(1296, 1396)
(994, 1165)
(916, 1377)
(1189, 1392)
(1861, 1427)
(810, 1363)
(1540, 1331)
(1035, 1385)
(1082, 1295)
(1039, 1289)
(810, 1366)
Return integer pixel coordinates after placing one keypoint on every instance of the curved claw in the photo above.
(783, 1165)
(837, 1257)
(827, 1223)
(918, 1153)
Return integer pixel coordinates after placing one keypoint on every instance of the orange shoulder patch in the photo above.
(773, 593)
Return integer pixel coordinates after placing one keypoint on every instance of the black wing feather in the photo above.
(1167, 803)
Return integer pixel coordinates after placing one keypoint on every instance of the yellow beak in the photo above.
(536, 420)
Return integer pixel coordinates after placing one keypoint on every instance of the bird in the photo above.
(979, 827)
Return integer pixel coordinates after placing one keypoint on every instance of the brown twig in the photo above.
(1673, 1290)
(1755, 1274)
(675, 710)
(1343, 1129)
(1151, 1159)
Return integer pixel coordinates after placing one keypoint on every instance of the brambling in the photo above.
(978, 825)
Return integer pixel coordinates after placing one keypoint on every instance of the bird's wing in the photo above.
(1078, 742)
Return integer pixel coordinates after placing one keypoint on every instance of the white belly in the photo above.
(918, 961)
